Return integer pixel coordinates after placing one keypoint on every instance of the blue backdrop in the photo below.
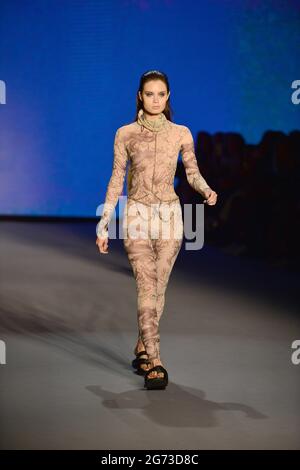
(70, 71)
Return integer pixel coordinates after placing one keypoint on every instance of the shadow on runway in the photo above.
(176, 406)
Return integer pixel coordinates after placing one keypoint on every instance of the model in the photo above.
(152, 222)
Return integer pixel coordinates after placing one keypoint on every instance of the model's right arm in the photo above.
(115, 185)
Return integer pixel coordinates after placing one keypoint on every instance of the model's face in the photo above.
(154, 96)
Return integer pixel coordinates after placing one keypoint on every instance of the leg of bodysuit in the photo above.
(143, 261)
(152, 261)
(167, 251)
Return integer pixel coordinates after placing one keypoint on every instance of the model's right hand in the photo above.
(102, 245)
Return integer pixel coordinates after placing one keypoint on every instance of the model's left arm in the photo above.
(192, 171)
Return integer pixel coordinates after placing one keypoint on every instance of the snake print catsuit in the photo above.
(152, 221)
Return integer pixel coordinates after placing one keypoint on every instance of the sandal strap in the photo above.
(141, 353)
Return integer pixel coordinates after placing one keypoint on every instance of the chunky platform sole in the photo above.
(156, 383)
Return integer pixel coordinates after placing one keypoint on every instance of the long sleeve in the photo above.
(115, 185)
(187, 150)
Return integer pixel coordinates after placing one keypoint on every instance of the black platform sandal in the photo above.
(156, 383)
(140, 370)
(138, 358)
(138, 361)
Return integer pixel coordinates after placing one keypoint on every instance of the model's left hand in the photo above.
(210, 197)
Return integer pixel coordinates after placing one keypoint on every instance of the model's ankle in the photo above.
(139, 347)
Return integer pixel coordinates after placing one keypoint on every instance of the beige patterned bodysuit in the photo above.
(152, 222)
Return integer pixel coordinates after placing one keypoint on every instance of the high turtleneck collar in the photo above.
(155, 125)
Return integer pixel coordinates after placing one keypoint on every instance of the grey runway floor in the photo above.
(68, 318)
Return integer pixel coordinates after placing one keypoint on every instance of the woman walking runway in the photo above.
(152, 223)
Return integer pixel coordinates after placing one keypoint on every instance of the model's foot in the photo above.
(154, 373)
(156, 362)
